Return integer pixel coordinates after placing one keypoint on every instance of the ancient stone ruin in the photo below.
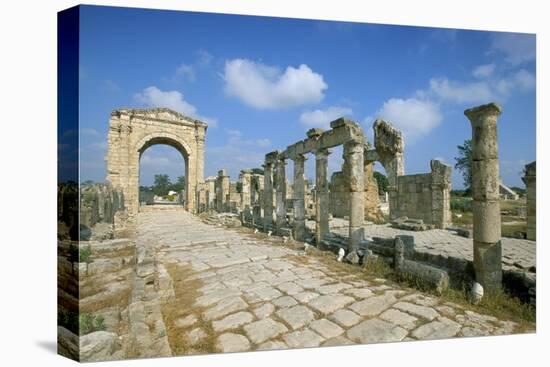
(132, 131)
(485, 192)
(530, 180)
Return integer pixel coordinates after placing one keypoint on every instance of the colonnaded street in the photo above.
(230, 290)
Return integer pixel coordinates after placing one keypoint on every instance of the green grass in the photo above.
(508, 230)
(499, 304)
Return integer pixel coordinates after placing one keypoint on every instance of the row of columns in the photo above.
(275, 183)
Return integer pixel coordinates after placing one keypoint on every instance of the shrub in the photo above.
(90, 323)
(461, 205)
(85, 254)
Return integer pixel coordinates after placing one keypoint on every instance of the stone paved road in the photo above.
(516, 254)
(225, 290)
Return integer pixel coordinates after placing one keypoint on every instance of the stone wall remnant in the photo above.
(485, 193)
(425, 196)
(530, 180)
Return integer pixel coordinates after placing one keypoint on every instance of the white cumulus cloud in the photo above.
(517, 48)
(484, 71)
(414, 117)
(322, 118)
(186, 71)
(267, 87)
(492, 89)
(462, 92)
(155, 97)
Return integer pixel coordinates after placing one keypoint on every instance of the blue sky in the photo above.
(261, 82)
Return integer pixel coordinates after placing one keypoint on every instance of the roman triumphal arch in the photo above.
(132, 131)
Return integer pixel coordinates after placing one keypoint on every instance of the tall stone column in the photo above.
(280, 198)
(530, 180)
(322, 198)
(222, 190)
(485, 192)
(299, 197)
(268, 195)
(246, 198)
(353, 156)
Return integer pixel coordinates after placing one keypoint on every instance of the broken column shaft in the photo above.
(321, 195)
(485, 192)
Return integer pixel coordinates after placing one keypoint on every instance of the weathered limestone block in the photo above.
(429, 276)
(485, 189)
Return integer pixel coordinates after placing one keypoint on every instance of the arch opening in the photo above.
(163, 173)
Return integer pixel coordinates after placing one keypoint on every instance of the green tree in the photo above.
(179, 185)
(258, 171)
(382, 181)
(161, 185)
(463, 162)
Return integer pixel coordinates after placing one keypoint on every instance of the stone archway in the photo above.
(132, 131)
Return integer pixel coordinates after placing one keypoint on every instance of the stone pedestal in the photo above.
(485, 192)
(322, 194)
(353, 156)
(299, 199)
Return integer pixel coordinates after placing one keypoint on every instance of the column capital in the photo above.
(483, 111)
(322, 153)
(353, 146)
(299, 158)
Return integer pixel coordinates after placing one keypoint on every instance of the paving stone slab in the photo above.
(427, 313)
(260, 331)
(373, 306)
(264, 310)
(345, 318)
(399, 318)
(232, 321)
(305, 297)
(374, 331)
(325, 328)
(225, 307)
(285, 301)
(296, 316)
(438, 329)
(303, 339)
(229, 343)
(329, 303)
(272, 345)
(339, 340)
